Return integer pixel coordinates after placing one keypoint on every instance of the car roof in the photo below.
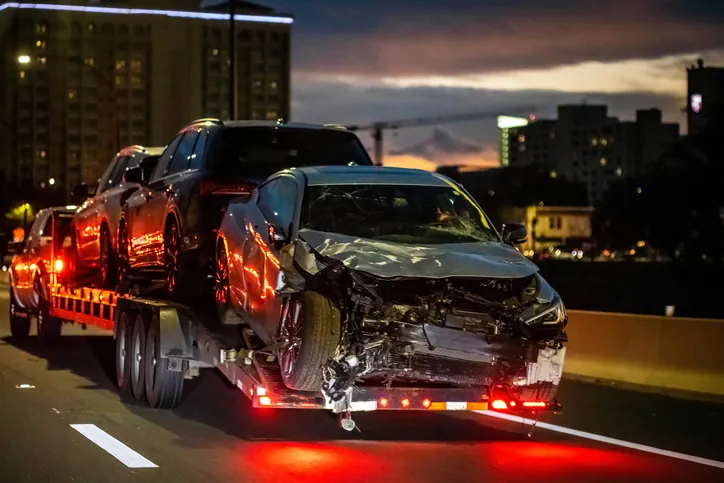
(70, 209)
(336, 175)
(137, 148)
(269, 124)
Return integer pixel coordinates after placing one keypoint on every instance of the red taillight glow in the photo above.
(208, 187)
(405, 403)
(534, 404)
(499, 404)
(265, 401)
(426, 403)
(260, 391)
(59, 265)
(512, 404)
(384, 402)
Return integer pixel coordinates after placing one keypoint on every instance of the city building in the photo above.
(549, 226)
(705, 99)
(505, 124)
(82, 79)
(586, 145)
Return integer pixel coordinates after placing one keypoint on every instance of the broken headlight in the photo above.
(548, 309)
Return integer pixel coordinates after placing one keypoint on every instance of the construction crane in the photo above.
(378, 128)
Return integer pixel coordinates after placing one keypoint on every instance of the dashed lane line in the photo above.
(120, 451)
(606, 439)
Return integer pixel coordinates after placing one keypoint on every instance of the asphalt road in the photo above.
(61, 421)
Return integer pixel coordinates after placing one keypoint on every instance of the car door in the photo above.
(165, 192)
(276, 203)
(38, 242)
(142, 227)
(87, 221)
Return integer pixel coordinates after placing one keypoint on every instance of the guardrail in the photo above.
(672, 353)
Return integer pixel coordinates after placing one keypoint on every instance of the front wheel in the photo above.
(171, 253)
(311, 329)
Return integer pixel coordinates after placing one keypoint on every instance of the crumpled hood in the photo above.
(388, 259)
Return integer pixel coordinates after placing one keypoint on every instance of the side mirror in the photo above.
(81, 191)
(134, 175)
(515, 234)
(277, 237)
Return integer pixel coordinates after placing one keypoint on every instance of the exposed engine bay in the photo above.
(450, 332)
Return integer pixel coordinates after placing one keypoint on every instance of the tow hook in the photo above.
(346, 421)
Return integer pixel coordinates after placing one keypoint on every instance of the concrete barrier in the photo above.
(660, 352)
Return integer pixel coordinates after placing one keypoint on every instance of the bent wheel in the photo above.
(163, 386)
(311, 328)
(123, 352)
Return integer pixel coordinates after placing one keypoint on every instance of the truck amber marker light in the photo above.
(144, 11)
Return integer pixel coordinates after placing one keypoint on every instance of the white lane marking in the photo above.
(607, 440)
(120, 451)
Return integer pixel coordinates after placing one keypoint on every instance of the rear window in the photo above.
(262, 151)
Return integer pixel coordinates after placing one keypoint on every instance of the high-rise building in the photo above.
(505, 124)
(82, 79)
(705, 99)
(588, 146)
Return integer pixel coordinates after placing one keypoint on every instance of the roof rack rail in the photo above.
(206, 119)
(339, 126)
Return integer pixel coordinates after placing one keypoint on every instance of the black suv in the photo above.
(168, 228)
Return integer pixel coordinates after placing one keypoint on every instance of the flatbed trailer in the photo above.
(185, 340)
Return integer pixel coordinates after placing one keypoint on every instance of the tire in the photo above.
(171, 253)
(123, 352)
(163, 387)
(222, 288)
(49, 328)
(108, 262)
(19, 326)
(138, 354)
(314, 338)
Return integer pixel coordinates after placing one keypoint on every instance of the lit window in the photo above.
(215, 52)
(91, 27)
(22, 74)
(274, 85)
(89, 61)
(554, 174)
(120, 80)
(594, 142)
(257, 84)
(120, 65)
(136, 65)
(42, 153)
(72, 93)
(42, 60)
(41, 28)
(40, 44)
(604, 141)
(604, 161)
(619, 171)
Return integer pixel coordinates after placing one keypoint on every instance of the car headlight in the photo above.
(548, 309)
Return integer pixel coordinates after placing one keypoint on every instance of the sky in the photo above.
(359, 61)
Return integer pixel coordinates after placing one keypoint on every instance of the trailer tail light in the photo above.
(499, 405)
(384, 402)
(534, 404)
(405, 403)
(260, 391)
(265, 401)
(58, 265)
(208, 187)
(426, 403)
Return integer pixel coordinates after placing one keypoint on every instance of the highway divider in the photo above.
(673, 353)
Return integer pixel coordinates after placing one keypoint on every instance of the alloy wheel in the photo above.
(221, 280)
(290, 332)
(171, 252)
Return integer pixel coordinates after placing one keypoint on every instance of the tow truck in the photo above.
(160, 343)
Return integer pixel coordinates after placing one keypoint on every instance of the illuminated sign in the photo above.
(696, 102)
(507, 122)
(144, 11)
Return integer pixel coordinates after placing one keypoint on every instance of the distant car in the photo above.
(96, 222)
(168, 228)
(386, 274)
(43, 260)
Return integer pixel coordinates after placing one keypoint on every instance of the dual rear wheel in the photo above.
(140, 369)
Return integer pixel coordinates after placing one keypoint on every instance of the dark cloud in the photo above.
(405, 37)
(439, 145)
(348, 104)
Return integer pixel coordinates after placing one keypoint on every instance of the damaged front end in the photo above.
(495, 333)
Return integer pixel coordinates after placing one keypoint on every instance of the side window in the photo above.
(107, 177)
(37, 230)
(277, 200)
(182, 157)
(165, 159)
(117, 175)
(197, 158)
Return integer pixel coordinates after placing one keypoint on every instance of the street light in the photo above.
(51, 181)
(24, 59)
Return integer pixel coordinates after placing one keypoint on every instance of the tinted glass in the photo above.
(262, 151)
(165, 159)
(277, 200)
(197, 158)
(182, 157)
(403, 214)
(107, 179)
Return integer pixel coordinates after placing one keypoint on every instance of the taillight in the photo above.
(58, 265)
(209, 187)
(534, 404)
(500, 405)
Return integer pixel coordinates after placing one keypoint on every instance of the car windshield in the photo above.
(403, 214)
(262, 151)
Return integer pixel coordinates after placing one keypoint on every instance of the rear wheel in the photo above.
(19, 321)
(123, 352)
(311, 328)
(49, 328)
(138, 353)
(171, 252)
(163, 386)
(109, 267)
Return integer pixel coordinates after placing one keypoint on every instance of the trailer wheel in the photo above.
(49, 327)
(138, 354)
(312, 328)
(19, 326)
(123, 352)
(163, 387)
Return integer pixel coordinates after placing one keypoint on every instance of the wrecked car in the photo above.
(389, 277)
